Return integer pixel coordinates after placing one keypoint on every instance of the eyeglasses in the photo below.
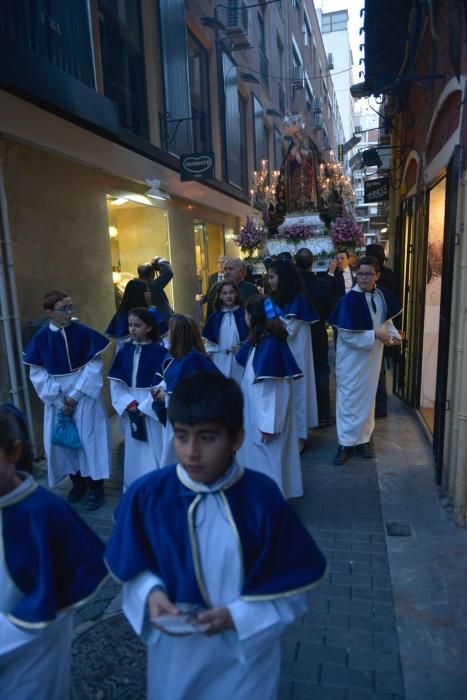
(366, 274)
(69, 308)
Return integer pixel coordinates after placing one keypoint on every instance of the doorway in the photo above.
(209, 245)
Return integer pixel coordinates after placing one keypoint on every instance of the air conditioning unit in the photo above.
(317, 120)
(234, 15)
(298, 77)
(318, 103)
(330, 61)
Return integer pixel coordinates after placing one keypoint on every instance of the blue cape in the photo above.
(194, 361)
(273, 359)
(299, 307)
(154, 523)
(212, 327)
(352, 313)
(118, 326)
(152, 357)
(47, 349)
(53, 557)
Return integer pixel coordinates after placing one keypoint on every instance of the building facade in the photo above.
(419, 64)
(98, 102)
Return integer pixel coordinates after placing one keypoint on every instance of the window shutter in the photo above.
(232, 154)
(175, 66)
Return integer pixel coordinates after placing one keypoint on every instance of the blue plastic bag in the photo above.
(65, 432)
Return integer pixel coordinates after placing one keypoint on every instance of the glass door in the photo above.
(209, 246)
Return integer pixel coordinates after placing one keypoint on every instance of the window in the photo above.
(123, 65)
(334, 21)
(243, 103)
(198, 71)
(307, 33)
(278, 153)
(263, 61)
(260, 133)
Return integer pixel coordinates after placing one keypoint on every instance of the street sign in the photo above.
(376, 190)
(197, 166)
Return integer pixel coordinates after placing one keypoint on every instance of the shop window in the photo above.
(432, 301)
(138, 232)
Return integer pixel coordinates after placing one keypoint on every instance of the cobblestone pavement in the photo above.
(386, 598)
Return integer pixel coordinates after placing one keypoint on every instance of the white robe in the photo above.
(270, 408)
(306, 402)
(90, 416)
(228, 338)
(141, 457)
(34, 663)
(358, 364)
(238, 664)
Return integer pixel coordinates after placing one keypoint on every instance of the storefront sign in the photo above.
(376, 190)
(197, 166)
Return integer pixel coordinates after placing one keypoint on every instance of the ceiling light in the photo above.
(154, 190)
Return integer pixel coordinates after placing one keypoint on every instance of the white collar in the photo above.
(226, 310)
(55, 328)
(228, 479)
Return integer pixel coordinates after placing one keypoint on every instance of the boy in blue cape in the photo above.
(216, 539)
(67, 373)
(363, 318)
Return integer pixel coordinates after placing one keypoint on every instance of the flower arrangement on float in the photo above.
(346, 233)
(250, 236)
(296, 232)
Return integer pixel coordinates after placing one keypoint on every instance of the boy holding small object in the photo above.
(214, 561)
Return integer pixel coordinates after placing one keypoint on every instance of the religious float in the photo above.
(308, 203)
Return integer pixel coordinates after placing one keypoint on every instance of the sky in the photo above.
(353, 7)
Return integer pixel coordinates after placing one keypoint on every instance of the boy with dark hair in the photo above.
(363, 318)
(211, 534)
(66, 371)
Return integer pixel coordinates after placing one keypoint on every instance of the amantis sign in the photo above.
(197, 166)
(376, 190)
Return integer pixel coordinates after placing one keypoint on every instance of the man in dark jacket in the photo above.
(157, 274)
(319, 291)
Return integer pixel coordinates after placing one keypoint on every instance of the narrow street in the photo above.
(390, 621)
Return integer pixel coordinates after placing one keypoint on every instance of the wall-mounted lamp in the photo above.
(249, 78)
(154, 190)
(113, 232)
(243, 46)
(213, 23)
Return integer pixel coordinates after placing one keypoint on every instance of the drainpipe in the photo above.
(460, 483)
(10, 317)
